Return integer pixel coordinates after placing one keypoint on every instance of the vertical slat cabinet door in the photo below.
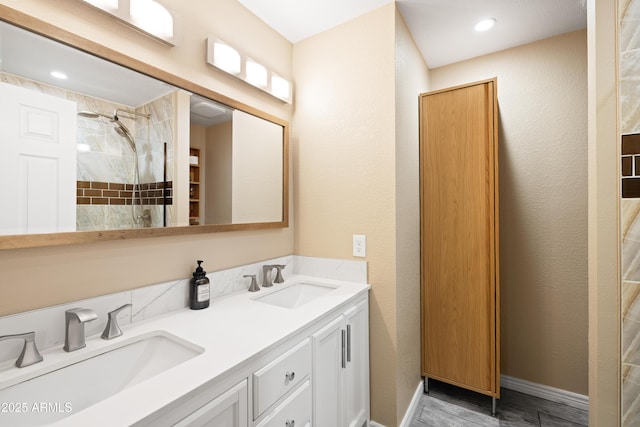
(357, 365)
(328, 378)
(458, 226)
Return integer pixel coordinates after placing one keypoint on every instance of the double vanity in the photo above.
(293, 355)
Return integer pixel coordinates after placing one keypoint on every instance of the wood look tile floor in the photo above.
(449, 406)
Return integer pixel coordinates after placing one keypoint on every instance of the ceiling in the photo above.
(443, 29)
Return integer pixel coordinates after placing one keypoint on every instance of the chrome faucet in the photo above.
(267, 280)
(75, 318)
(30, 354)
(112, 330)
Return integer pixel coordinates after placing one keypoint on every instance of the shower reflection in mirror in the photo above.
(138, 212)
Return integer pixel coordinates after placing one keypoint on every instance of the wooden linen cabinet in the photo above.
(460, 294)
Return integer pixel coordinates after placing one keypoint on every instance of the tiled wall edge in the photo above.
(162, 298)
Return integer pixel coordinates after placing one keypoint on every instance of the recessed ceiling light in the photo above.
(58, 75)
(485, 24)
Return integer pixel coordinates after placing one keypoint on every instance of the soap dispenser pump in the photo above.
(199, 289)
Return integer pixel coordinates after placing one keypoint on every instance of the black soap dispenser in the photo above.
(199, 289)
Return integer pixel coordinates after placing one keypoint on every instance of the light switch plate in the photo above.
(359, 245)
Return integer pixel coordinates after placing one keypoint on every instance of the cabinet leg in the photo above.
(426, 384)
(493, 406)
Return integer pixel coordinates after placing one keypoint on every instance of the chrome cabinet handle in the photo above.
(348, 343)
(344, 348)
(291, 423)
(290, 376)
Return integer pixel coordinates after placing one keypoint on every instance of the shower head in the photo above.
(93, 115)
(120, 128)
(123, 131)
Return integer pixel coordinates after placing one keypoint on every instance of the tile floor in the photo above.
(449, 406)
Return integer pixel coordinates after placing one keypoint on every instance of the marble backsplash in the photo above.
(629, 68)
(159, 299)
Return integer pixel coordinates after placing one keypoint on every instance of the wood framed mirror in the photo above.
(139, 152)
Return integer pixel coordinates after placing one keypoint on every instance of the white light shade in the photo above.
(152, 17)
(226, 58)
(485, 24)
(280, 87)
(104, 4)
(256, 74)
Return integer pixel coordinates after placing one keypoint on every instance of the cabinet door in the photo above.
(227, 410)
(357, 366)
(459, 226)
(328, 380)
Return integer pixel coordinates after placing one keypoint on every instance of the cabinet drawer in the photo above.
(281, 375)
(295, 411)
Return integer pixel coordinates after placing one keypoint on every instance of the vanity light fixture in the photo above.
(152, 18)
(256, 74)
(280, 87)
(485, 24)
(147, 16)
(226, 58)
(231, 61)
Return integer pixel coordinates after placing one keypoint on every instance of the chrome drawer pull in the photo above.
(291, 423)
(290, 376)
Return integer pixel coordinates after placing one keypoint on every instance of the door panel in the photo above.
(458, 237)
(37, 162)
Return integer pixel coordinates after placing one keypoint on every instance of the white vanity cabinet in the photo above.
(341, 370)
(316, 376)
(227, 410)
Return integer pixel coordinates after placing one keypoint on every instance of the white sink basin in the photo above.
(72, 388)
(295, 295)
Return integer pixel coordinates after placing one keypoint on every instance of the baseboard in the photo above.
(411, 410)
(553, 394)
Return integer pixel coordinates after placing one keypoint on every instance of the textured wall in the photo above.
(542, 99)
(344, 169)
(412, 77)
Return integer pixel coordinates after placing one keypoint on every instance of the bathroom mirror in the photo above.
(106, 152)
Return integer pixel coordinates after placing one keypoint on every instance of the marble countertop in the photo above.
(232, 330)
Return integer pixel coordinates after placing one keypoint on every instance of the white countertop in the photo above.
(232, 330)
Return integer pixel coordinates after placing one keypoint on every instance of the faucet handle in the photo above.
(254, 284)
(279, 278)
(30, 354)
(267, 280)
(112, 330)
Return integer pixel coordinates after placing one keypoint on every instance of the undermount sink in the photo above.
(296, 295)
(67, 390)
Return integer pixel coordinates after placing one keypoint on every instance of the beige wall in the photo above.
(542, 101)
(412, 78)
(355, 143)
(604, 232)
(39, 277)
(217, 199)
